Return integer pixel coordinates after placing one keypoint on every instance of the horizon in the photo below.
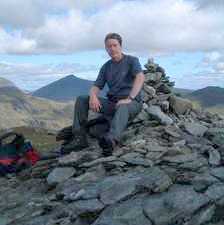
(28, 91)
(50, 40)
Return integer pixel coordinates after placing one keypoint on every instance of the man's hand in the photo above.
(94, 103)
(123, 101)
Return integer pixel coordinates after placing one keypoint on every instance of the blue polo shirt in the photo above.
(119, 76)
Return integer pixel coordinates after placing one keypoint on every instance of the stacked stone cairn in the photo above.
(168, 170)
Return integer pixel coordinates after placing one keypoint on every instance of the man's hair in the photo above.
(113, 36)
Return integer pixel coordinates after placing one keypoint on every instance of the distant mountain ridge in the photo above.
(64, 89)
(209, 96)
(20, 109)
(6, 83)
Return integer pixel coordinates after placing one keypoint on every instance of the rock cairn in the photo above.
(169, 170)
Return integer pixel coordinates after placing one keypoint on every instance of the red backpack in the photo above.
(15, 152)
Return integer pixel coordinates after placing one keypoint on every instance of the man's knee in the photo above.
(122, 108)
(82, 98)
(81, 102)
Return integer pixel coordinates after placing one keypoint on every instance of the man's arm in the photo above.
(94, 91)
(94, 102)
(137, 86)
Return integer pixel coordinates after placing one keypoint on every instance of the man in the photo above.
(124, 77)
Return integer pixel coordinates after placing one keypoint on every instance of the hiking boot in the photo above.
(64, 134)
(77, 143)
(107, 144)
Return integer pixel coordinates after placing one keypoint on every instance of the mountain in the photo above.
(208, 97)
(6, 83)
(182, 92)
(20, 109)
(65, 89)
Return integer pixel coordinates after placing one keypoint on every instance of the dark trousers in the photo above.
(119, 115)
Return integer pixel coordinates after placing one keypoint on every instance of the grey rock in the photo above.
(219, 124)
(180, 143)
(205, 215)
(139, 161)
(75, 158)
(91, 176)
(214, 157)
(128, 212)
(153, 146)
(151, 67)
(165, 106)
(126, 185)
(153, 77)
(155, 155)
(83, 207)
(135, 158)
(164, 88)
(149, 90)
(130, 155)
(162, 97)
(175, 206)
(215, 191)
(202, 181)
(173, 131)
(218, 173)
(81, 191)
(216, 135)
(138, 144)
(179, 105)
(59, 175)
(195, 129)
(194, 165)
(155, 180)
(181, 158)
(141, 116)
(98, 161)
(156, 113)
(121, 185)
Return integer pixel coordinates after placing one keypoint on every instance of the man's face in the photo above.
(113, 48)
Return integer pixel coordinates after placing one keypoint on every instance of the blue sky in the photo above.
(47, 40)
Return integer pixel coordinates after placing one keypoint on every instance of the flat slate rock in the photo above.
(195, 129)
(59, 175)
(174, 206)
(128, 212)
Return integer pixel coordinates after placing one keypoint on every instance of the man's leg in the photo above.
(78, 140)
(122, 115)
(81, 109)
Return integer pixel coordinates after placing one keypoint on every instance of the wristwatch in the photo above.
(131, 97)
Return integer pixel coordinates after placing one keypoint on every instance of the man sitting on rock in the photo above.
(124, 77)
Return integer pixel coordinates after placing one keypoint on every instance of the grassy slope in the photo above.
(25, 110)
(42, 139)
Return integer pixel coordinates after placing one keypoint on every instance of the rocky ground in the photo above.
(169, 170)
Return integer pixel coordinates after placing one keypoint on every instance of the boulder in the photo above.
(180, 105)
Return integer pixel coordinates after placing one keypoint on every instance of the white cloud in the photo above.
(22, 13)
(200, 80)
(30, 76)
(214, 61)
(15, 42)
(146, 26)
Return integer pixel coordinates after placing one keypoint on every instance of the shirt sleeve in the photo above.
(135, 66)
(101, 78)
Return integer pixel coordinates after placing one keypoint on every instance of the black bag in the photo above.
(95, 128)
(16, 153)
(98, 127)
